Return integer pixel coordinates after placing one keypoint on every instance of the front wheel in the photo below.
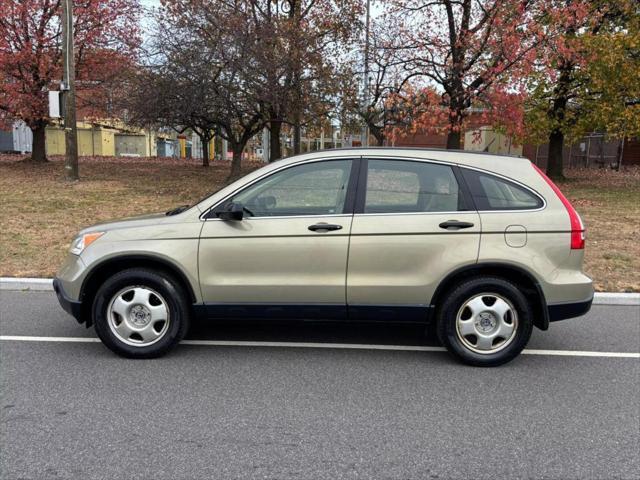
(140, 313)
(485, 321)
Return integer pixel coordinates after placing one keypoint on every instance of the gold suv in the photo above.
(483, 246)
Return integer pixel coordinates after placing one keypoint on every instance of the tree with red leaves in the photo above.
(463, 54)
(105, 33)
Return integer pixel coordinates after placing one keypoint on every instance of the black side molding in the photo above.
(321, 312)
(255, 311)
(391, 313)
(563, 311)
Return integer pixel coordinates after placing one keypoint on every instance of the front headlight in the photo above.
(83, 241)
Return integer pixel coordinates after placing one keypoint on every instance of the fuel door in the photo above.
(515, 236)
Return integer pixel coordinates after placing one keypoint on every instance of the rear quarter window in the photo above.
(490, 192)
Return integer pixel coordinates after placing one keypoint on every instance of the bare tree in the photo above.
(388, 70)
(176, 88)
(234, 67)
(296, 44)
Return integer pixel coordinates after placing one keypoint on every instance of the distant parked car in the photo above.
(484, 246)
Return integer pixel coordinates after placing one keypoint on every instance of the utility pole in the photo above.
(365, 135)
(69, 89)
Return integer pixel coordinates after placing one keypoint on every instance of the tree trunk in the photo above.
(378, 134)
(557, 116)
(205, 150)
(456, 111)
(554, 160)
(236, 162)
(296, 135)
(455, 126)
(297, 74)
(38, 153)
(453, 140)
(275, 147)
(296, 121)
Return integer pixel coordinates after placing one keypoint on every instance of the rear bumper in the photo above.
(562, 311)
(72, 307)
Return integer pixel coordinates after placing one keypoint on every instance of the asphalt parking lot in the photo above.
(242, 401)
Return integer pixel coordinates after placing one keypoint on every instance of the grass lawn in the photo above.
(41, 213)
(609, 204)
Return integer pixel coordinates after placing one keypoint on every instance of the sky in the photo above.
(146, 22)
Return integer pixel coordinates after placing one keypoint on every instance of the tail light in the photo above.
(577, 227)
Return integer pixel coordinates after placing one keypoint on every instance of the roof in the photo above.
(483, 160)
(412, 149)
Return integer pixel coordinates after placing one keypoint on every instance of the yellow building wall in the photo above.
(54, 141)
(104, 142)
(92, 141)
(85, 143)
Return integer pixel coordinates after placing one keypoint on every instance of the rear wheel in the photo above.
(485, 321)
(140, 313)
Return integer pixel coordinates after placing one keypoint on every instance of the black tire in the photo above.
(176, 304)
(447, 317)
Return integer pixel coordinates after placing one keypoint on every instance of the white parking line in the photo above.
(578, 353)
(344, 346)
(24, 338)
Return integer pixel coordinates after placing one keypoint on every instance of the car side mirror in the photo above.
(231, 211)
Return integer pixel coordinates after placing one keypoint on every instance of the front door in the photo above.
(413, 225)
(288, 256)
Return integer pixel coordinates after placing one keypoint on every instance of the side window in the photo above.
(318, 188)
(399, 186)
(493, 193)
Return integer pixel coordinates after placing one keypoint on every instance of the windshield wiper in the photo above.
(177, 210)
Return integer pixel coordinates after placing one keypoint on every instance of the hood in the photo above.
(136, 221)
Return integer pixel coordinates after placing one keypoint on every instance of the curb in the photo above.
(46, 285)
(612, 298)
(34, 284)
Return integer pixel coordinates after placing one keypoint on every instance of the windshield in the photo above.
(182, 208)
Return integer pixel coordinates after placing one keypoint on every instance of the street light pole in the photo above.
(69, 89)
(365, 140)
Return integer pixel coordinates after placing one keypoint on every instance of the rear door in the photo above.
(413, 225)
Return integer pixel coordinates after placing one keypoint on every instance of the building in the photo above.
(100, 138)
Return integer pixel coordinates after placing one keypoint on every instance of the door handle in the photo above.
(455, 225)
(324, 226)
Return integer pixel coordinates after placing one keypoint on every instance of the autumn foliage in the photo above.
(538, 70)
(106, 35)
(462, 55)
(587, 76)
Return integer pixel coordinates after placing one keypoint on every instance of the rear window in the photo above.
(494, 193)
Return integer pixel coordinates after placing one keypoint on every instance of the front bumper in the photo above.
(72, 307)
